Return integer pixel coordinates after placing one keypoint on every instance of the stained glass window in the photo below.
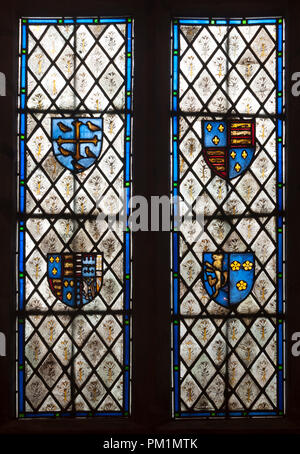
(73, 267)
(228, 145)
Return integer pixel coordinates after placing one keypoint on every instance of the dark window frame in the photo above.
(151, 353)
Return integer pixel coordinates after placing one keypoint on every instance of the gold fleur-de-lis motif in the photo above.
(237, 167)
(216, 140)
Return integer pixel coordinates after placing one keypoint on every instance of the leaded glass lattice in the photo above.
(74, 269)
(228, 117)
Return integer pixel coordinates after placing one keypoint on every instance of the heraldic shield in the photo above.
(228, 277)
(77, 142)
(75, 278)
(228, 146)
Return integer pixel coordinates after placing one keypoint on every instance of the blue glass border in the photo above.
(78, 20)
(280, 217)
(21, 209)
(224, 21)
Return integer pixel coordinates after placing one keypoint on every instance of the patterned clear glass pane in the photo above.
(228, 223)
(74, 249)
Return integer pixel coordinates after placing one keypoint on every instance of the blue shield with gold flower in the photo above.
(77, 142)
(228, 146)
(228, 277)
(75, 278)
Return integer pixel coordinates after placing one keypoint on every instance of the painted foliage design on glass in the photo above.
(227, 165)
(74, 270)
